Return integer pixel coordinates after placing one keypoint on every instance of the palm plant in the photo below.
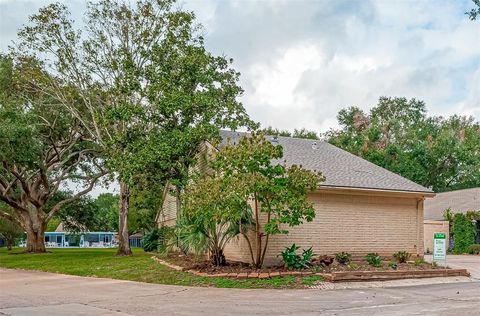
(201, 235)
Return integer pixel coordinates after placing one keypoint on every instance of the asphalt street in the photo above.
(39, 293)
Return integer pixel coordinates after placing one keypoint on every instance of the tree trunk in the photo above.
(123, 243)
(9, 244)
(36, 240)
(258, 237)
(218, 258)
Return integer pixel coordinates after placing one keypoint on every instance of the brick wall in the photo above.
(431, 227)
(354, 223)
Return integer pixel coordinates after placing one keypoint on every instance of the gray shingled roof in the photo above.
(341, 168)
(457, 201)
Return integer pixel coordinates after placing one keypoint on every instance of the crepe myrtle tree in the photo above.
(148, 92)
(256, 181)
(42, 146)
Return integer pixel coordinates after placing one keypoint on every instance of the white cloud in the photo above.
(302, 61)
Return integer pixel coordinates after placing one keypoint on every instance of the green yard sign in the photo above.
(439, 246)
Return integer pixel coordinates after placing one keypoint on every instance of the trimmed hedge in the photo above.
(464, 233)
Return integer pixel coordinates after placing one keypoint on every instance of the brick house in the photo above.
(360, 208)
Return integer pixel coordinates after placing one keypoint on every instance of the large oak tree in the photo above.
(42, 147)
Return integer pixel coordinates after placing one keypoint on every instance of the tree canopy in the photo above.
(397, 134)
(43, 146)
(147, 91)
(245, 183)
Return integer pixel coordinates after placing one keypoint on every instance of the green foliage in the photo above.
(297, 133)
(145, 201)
(393, 265)
(374, 259)
(156, 239)
(418, 262)
(343, 257)
(106, 215)
(401, 256)
(353, 265)
(42, 147)
(246, 171)
(464, 233)
(294, 261)
(434, 264)
(147, 103)
(398, 135)
(475, 12)
(10, 230)
(474, 249)
(212, 215)
(448, 216)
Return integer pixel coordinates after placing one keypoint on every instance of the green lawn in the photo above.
(139, 267)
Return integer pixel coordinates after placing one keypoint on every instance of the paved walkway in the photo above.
(469, 262)
(39, 293)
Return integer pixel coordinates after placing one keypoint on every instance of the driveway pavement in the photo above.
(471, 263)
(39, 293)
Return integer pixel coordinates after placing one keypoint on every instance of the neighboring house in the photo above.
(459, 201)
(360, 208)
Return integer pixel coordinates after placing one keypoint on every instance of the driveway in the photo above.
(469, 262)
(39, 293)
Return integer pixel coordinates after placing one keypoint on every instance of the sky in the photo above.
(303, 61)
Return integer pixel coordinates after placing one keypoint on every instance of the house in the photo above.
(360, 208)
(458, 201)
(61, 238)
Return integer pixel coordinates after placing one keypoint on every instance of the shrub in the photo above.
(474, 249)
(419, 262)
(373, 259)
(156, 238)
(293, 261)
(401, 256)
(393, 265)
(353, 266)
(343, 257)
(464, 233)
(434, 264)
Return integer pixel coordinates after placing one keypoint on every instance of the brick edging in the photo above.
(338, 276)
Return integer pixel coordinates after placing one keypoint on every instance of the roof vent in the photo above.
(274, 141)
(314, 145)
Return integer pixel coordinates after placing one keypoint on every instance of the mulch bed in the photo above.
(200, 264)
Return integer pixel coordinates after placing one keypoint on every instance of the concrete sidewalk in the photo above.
(469, 262)
(39, 293)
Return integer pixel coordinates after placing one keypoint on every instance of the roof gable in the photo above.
(457, 201)
(340, 168)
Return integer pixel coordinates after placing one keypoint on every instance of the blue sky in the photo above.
(302, 61)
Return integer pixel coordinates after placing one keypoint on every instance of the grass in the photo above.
(138, 267)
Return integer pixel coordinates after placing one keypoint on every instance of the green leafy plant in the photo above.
(474, 249)
(419, 262)
(373, 259)
(156, 238)
(353, 265)
(293, 261)
(393, 265)
(401, 256)
(434, 264)
(464, 233)
(343, 257)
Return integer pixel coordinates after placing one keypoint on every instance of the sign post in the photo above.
(440, 247)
